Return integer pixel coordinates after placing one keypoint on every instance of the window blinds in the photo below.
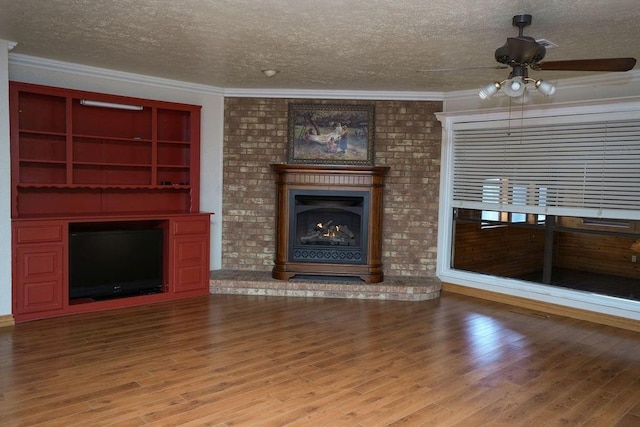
(571, 165)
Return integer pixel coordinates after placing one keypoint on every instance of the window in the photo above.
(575, 162)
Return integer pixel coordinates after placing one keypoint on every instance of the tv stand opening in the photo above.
(109, 260)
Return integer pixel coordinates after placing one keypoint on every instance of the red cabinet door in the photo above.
(39, 267)
(191, 272)
(190, 253)
(39, 282)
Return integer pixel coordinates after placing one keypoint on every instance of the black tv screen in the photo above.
(104, 264)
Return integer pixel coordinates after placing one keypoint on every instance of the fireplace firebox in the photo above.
(328, 226)
(329, 221)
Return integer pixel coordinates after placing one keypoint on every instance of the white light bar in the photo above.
(90, 103)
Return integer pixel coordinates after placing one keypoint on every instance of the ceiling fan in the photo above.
(522, 53)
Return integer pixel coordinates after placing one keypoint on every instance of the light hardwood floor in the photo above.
(244, 360)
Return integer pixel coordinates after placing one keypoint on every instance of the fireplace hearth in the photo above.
(329, 222)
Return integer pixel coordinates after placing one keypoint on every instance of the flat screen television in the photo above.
(113, 263)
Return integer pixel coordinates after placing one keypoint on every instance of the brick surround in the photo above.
(407, 139)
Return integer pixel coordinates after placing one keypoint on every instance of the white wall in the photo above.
(73, 76)
(5, 185)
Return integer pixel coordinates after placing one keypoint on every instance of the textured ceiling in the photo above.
(315, 44)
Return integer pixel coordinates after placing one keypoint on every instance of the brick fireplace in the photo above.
(329, 221)
(407, 139)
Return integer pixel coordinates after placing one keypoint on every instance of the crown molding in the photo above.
(85, 70)
(89, 71)
(335, 94)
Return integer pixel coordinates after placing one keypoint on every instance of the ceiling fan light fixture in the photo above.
(490, 89)
(514, 87)
(522, 53)
(545, 88)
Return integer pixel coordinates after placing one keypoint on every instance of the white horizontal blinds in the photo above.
(554, 165)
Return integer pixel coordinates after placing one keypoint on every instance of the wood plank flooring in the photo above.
(234, 360)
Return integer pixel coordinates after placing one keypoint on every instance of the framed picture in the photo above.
(331, 134)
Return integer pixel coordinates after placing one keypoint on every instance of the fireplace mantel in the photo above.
(334, 181)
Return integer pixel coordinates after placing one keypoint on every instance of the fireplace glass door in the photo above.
(328, 226)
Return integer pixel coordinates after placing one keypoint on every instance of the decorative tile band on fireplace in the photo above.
(260, 283)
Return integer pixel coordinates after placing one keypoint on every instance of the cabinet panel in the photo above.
(191, 264)
(174, 125)
(42, 112)
(170, 200)
(111, 122)
(58, 202)
(42, 147)
(198, 225)
(51, 232)
(111, 175)
(111, 151)
(39, 278)
(173, 154)
(190, 250)
(42, 173)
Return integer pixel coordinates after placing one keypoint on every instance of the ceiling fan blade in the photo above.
(605, 64)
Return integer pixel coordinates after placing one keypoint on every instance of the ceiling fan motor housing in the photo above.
(522, 21)
(520, 51)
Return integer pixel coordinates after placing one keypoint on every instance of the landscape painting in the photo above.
(331, 134)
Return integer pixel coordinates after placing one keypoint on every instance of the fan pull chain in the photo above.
(521, 117)
(509, 119)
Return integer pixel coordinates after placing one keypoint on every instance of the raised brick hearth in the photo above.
(398, 288)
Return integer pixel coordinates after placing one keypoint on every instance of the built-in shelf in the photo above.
(99, 159)
(74, 164)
